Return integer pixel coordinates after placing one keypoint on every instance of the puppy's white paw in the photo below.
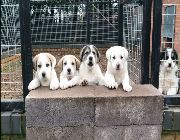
(54, 84)
(111, 85)
(127, 88)
(63, 85)
(71, 85)
(33, 85)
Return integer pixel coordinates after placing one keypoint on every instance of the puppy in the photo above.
(117, 68)
(45, 75)
(90, 72)
(168, 77)
(69, 75)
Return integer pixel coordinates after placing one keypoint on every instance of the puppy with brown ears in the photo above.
(69, 75)
(45, 75)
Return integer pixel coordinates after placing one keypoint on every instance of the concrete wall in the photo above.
(94, 112)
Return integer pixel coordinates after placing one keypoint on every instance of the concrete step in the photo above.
(94, 112)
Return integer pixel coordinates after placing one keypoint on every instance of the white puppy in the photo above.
(117, 68)
(69, 75)
(168, 76)
(90, 72)
(45, 75)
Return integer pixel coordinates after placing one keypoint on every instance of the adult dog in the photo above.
(117, 69)
(90, 72)
(168, 76)
(45, 75)
(69, 75)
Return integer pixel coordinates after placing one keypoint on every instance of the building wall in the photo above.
(177, 22)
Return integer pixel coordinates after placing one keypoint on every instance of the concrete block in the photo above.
(167, 121)
(133, 132)
(143, 132)
(142, 106)
(73, 107)
(60, 133)
(109, 133)
(12, 123)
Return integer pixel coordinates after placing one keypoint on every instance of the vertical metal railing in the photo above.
(26, 48)
(146, 29)
(156, 42)
(120, 23)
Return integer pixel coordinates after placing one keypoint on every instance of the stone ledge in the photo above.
(94, 105)
(134, 132)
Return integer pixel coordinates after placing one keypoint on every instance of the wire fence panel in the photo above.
(104, 22)
(132, 33)
(11, 68)
(74, 22)
(170, 38)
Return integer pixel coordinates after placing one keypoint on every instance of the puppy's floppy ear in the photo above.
(125, 53)
(77, 63)
(60, 63)
(35, 62)
(175, 55)
(98, 53)
(108, 54)
(162, 54)
(52, 59)
(82, 52)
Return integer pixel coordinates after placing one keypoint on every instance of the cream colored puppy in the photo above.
(45, 75)
(69, 75)
(117, 68)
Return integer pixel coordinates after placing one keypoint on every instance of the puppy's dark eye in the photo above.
(86, 53)
(39, 66)
(94, 53)
(72, 63)
(65, 63)
(121, 57)
(114, 57)
(47, 65)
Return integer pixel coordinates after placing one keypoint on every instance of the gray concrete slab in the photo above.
(60, 133)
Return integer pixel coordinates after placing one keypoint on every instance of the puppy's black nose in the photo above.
(169, 65)
(117, 66)
(43, 74)
(90, 58)
(69, 70)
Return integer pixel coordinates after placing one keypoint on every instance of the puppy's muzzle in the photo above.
(90, 61)
(169, 65)
(43, 75)
(118, 67)
(69, 71)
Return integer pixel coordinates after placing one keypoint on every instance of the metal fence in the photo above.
(11, 68)
(78, 22)
(96, 22)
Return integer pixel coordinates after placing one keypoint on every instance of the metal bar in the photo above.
(156, 42)
(120, 24)
(12, 105)
(88, 21)
(146, 29)
(172, 100)
(26, 49)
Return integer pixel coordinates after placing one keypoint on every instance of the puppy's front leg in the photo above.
(34, 84)
(110, 81)
(125, 83)
(172, 91)
(73, 81)
(54, 81)
(63, 83)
